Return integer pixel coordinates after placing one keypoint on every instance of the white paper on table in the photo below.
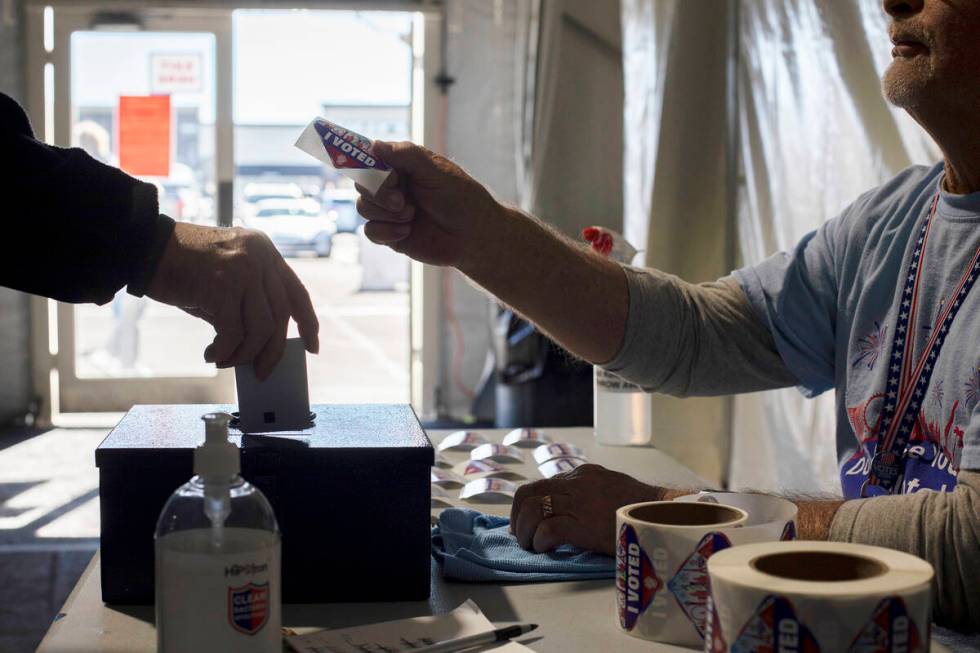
(402, 635)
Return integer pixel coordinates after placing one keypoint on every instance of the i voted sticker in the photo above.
(346, 151)
(547, 452)
(526, 438)
(498, 453)
(440, 497)
(889, 629)
(559, 465)
(690, 583)
(636, 578)
(485, 468)
(443, 462)
(775, 627)
(461, 441)
(489, 490)
(445, 478)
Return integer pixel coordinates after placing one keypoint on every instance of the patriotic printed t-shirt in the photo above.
(833, 305)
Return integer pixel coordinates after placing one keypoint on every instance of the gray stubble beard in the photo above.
(906, 87)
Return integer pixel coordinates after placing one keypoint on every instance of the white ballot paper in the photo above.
(282, 401)
(402, 635)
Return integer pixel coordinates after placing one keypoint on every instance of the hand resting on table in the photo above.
(583, 503)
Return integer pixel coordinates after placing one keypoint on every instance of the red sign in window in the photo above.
(144, 135)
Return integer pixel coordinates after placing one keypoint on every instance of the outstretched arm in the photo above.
(431, 210)
(652, 328)
(82, 230)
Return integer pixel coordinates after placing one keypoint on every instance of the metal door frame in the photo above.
(52, 352)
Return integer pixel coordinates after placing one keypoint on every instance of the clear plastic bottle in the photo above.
(218, 558)
(622, 412)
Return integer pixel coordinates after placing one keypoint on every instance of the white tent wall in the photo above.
(810, 131)
(815, 133)
(480, 114)
(677, 183)
(15, 380)
(578, 151)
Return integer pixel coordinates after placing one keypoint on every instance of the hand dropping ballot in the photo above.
(347, 152)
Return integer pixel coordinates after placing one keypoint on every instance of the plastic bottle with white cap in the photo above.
(622, 411)
(218, 557)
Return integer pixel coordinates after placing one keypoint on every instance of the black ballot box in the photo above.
(351, 495)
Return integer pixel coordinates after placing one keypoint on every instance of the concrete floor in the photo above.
(49, 527)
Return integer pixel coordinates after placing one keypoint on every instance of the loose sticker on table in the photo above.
(489, 490)
(445, 478)
(498, 453)
(486, 468)
(461, 441)
(559, 465)
(547, 452)
(442, 461)
(526, 438)
(440, 497)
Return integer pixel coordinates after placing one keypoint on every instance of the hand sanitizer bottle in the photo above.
(217, 558)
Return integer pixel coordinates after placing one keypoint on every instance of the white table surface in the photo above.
(573, 616)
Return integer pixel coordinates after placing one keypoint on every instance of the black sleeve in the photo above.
(76, 230)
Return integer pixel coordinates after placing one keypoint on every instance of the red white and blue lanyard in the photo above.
(908, 380)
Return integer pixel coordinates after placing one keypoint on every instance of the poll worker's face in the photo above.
(936, 55)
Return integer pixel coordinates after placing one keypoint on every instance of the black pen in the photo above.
(489, 637)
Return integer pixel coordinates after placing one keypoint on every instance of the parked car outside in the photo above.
(258, 191)
(295, 226)
(180, 196)
(341, 204)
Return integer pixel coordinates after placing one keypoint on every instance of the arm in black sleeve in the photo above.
(77, 230)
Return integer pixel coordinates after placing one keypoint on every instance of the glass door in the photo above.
(145, 91)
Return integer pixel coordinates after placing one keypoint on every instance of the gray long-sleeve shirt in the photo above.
(706, 339)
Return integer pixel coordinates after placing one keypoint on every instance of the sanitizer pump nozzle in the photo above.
(217, 463)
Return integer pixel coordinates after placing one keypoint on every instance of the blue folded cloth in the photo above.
(472, 546)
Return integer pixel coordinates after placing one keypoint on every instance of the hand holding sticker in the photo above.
(346, 151)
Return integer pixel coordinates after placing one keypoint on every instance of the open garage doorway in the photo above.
(354, 68)
(227, 92)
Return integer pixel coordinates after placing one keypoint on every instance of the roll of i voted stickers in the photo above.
(440, 497)
(347, 152)
(445, 478)
(662, 548)
(442, 461)
(776, 515)
(461, 441)
(818, 597)
(526, 438)
(498, 453)
(547, 452)
(486, 468)
(489, 490)
(559, 465)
